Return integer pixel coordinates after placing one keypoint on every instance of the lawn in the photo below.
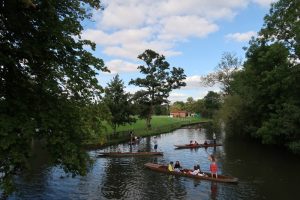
(159, 124)
(156, 122)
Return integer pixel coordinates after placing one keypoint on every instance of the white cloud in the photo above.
(241, 37)
(193, 89)
(182, 27)
(176, 96)
(132, 89)
(192, 82)
(119, 66)
(117, 37)
(264, 3)
(126, 28)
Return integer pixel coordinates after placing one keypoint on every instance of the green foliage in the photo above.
(48, 87)
(267, 89)
(190, 105)
(178, 106)
(161, 110)
(158, 82)
(282, 24)
(118, 102)
(212, 102)
(234, 114)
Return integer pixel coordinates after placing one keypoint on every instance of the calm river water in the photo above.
(263, 172)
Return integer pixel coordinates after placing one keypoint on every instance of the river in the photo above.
(263, 172)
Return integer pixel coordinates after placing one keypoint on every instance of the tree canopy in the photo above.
(49, 90)
(119, 103)
(265, 100)
(158, 82)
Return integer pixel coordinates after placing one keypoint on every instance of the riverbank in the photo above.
(160, 124)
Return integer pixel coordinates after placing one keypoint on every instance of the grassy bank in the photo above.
(160, 124)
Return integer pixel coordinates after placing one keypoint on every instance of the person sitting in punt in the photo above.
(198, 167)
(200, 172)
(170, 167)
(191, 142)
(205, 142)
(177, 166)
(195, 143)
(195, 171)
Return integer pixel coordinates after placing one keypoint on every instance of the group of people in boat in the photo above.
(193, 143)
(214, 140)
(196, 170)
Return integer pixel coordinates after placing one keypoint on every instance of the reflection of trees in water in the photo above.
(117, 175)
(36, 177)
(126, 178)
(170, 187)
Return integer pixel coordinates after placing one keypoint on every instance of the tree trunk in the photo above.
(114, 127)
(149, 117)
(148, 122)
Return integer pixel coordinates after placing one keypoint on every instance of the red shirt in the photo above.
(213, 168)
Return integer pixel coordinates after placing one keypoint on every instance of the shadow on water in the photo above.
(263, 172)
(266, 172)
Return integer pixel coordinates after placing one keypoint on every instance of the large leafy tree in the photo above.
(268, 86)
(48, 86)
(282, 25)
(158, 82)
(119, 103)
(177, 106)
(212, 102)
(190, 104)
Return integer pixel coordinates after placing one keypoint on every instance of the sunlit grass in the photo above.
(159, 124)
(157, 121)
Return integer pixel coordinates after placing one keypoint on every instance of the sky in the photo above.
(191, 34)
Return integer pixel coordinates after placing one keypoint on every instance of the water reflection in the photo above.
(263, 173)
(213, 190)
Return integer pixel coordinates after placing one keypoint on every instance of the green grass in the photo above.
(159, 124)
(157, 121)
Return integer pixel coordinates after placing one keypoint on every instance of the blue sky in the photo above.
(192, 34)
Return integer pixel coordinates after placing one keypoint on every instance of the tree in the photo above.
(268, 86)
(199, 106)
(118, 102)
(161, 109)
(48, 87)
(223, 74)
(190, 105)
(282, 25)
(159, 81)
(212, 102)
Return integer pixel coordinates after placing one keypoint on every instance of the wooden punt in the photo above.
(128, 154)
(184, 172)
(192, 146)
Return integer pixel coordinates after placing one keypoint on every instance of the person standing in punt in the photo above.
(214, 138)
(155, 143)
(213, 167)
(131, 137)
